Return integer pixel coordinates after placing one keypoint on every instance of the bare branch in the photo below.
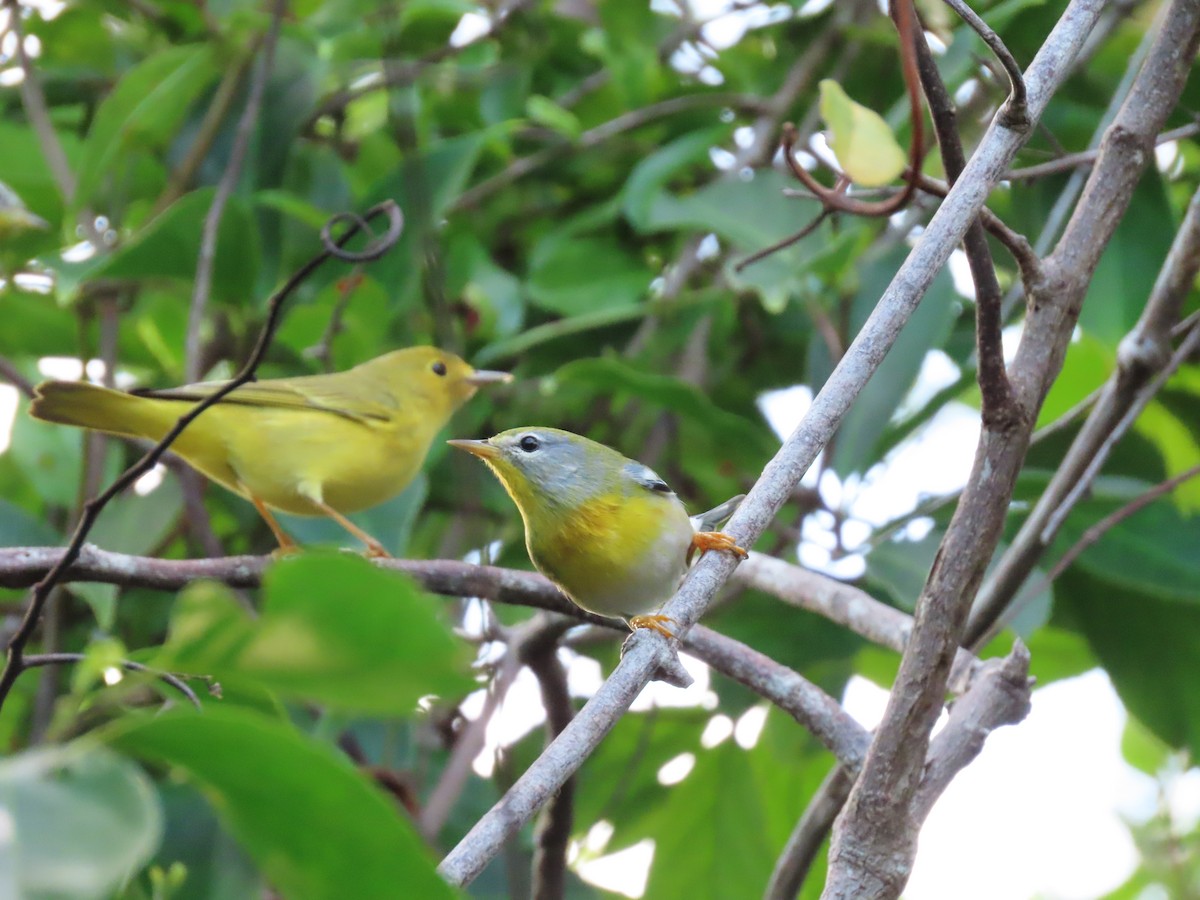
(1087, 157)
(1014, 114)
(1144, 363)
(999, 696)
(810, 832)
(553, 832)
(997, 396)
(874, 842)
(783, 473)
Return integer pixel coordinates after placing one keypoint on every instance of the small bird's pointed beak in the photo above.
(482, 449)
(484, 376)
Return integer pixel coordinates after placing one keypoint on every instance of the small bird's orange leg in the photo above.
(654, 623)
(286, 544)
(714, 540)
(374, 548)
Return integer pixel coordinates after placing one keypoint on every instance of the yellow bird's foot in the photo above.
(714, 540)
(654, 623)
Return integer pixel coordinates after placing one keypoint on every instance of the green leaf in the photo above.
(144, 110)
(334, 629)
(1130, 263)
(1177, 444)
(649, 178)
(929, 328)
(746, 435)
(747, 800)
(1150, 647)
(546, 112)
(1087, 365)
(865, 147)
(20, 529)
(79, 821)
(1153, 551)
(1142, 749)
(315, 825)
(168, 246)
(581, 275)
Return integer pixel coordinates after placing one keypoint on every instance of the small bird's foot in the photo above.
(654, 623)
(714, 540)
(375, 551)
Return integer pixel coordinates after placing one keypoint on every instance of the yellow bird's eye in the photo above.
(530, 443)
(439, 368)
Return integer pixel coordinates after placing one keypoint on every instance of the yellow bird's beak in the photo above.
(482, 449)
(484, 376)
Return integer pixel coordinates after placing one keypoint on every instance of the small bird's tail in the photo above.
(100, 408)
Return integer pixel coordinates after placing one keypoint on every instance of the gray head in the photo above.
(547, 466)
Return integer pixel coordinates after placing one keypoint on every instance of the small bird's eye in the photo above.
(529, 443)
(439, 368)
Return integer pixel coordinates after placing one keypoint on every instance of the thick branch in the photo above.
(783, 473)
(875, 840)
(1144, 359)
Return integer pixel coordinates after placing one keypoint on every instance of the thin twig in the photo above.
(1015, 113)
(593, 137)
(1073, 161)
(1112, 520)
(60, 659)
(34, 100)
(202, 286)
(998, 405)
(10, 373)
(469, 743)
(14, 662)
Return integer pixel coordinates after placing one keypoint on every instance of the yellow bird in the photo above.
(314, 445)
(604, 528)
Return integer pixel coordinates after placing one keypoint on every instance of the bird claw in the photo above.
(652, 623)
(714, 540)
(376, 551)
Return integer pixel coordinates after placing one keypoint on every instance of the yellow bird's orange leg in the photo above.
(286, 544)
(654, 623)
(714, 540)
(374, 548)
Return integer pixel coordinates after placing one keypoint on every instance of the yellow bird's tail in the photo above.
(103, 409)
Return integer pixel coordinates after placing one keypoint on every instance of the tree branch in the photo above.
(553, 831)
(875, 840)
(1144, 363)
(782, 474)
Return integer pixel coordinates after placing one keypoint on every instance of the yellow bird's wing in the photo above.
(323, 393)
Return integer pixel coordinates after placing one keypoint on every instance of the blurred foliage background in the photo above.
(579, 180)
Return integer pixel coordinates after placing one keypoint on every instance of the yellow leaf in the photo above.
(864, 145)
